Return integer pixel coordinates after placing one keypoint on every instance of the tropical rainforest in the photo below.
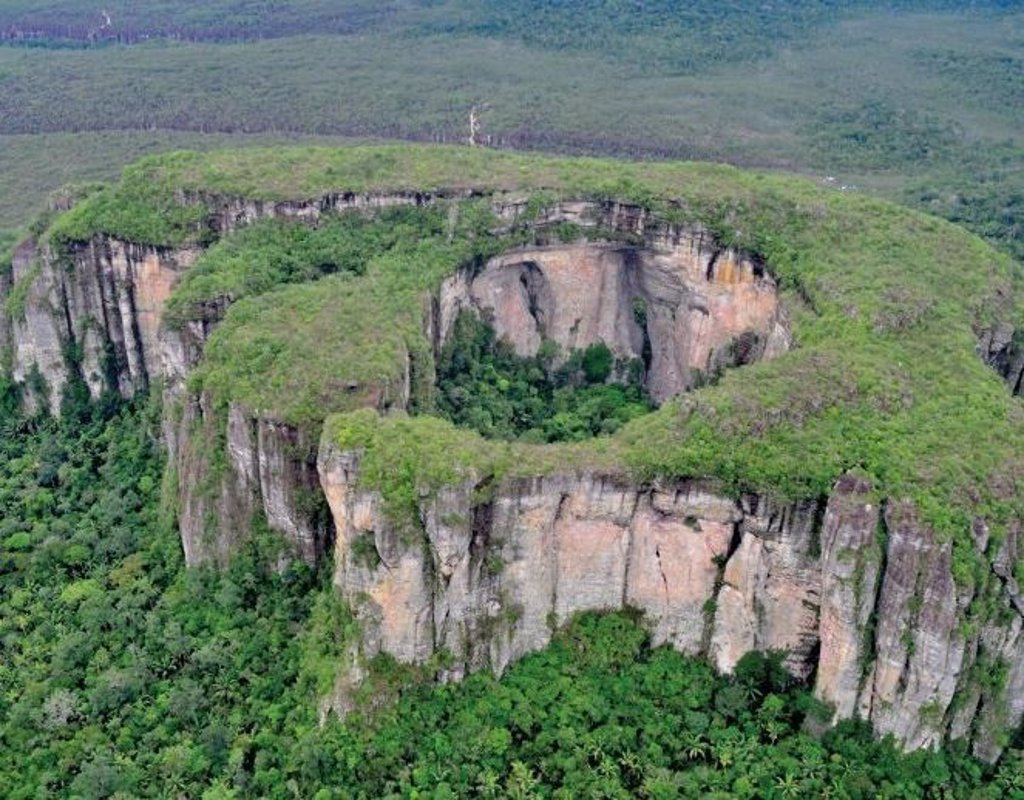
(127, 672)
(127, 675)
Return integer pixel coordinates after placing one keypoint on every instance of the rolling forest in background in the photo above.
(916, 101)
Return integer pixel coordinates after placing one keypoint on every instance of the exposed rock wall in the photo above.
(102, 301)
(874, 619)
(1001, 348)
(859, 594)
(105, 300)
(230, 465)
(678, 302)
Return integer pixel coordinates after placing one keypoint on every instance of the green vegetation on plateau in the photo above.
(885, 303)
(279, 251)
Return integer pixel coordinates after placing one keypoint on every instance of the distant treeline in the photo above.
(539, 22)
(78, 24)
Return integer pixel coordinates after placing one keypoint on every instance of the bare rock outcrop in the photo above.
(232, 465)
(873, 619)
(919, 651)
(97, 307)
(851, 561)
(679, 303)
(771, 585)
(106, 305)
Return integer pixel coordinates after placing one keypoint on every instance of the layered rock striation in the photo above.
(853, 587)
(680, 304)
(858, 594)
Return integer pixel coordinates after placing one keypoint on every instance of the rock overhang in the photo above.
(684, 307)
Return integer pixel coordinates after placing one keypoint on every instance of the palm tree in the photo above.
(521, 784)
(695, 746)
(788, 785)
(630, 763)
(488, 786)
(774, 729)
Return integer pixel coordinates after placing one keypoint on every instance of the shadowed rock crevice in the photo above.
(679, 305)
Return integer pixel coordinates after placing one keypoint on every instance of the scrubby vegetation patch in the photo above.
(485, 386)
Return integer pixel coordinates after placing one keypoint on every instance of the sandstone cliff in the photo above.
(854, 587)
(860, 597)
(678, 302)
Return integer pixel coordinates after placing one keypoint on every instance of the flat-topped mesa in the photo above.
(679, 303)
(883, 584)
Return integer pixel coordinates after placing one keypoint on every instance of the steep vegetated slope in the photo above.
(847, 495)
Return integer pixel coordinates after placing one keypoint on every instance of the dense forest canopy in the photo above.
(125, 675)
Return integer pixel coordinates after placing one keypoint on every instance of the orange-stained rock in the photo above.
(700, 306)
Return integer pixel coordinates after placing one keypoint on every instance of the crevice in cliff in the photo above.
(65, 308)
(534, 285)
(710, 276)
(136, 332)
(661, 571)
(559, 516)
(869, 635)
(711, 604)
(109, 307)
(481, 527)
(734, 545)
(817, 524)
(630, 536)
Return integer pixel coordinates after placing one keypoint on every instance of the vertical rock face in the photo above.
(851, 561)
(919, 652)
(681, 537)
(232, 466)
(103, 301)
(107, 304)
(488, 583)
(105, 298)
(771, 586)
(875, 625)
(681, 304)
